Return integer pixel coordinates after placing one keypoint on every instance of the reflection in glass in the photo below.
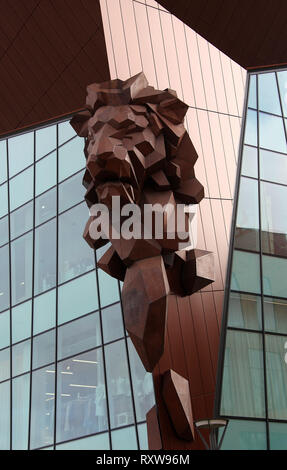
(71, 158)
(3, 161)
(244, 311)
(4, 329)
(77, 297)
(245, 272)
(45, 257)
(243, 384)
(81, 404)
(5, 364)
(252, 95)
(112, 321)
(21, 220)
(268, 93)
(21, 152)
(4, 234)
(142, 432)
(42, 407)
(282, 81)
(109, 288)
(97, 442)
(3, 200)
(45, 206)
(272, 135)
(21, 321)
(75, 255)
(4, 278)
(276, 365)
(251, 128)
(275, 315)
(274, 219)
(45, 141)
(79, 335)
(21, 267)
(44, 312)
(20, 412)
(21, 188)
(274, 276)
(247, 222)
(65, 132)
(44, 349)
(245, 435)
(21, 357)
(5, 415)
(71, 191)
(278, 436)
(118, 384)
(273, 166)
(249, 161)
(124, 439)
(46, 173)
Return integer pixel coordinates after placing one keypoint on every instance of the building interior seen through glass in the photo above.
(254, 380)
(70, 377)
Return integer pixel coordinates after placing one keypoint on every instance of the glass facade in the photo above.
(254, 358)
(69, 375)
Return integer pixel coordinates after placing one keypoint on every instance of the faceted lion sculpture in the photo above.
(138, 149)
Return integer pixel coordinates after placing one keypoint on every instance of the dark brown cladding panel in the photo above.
(253, 33)
(49, 51)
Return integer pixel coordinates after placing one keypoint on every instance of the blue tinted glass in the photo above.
(4, 234)
(4, 278)
(245, 435)
(109, 290)
(3, 200)
(282, 80)
(245, 272)
(274, 219)
(21, 152)
(252, 98)
(278, 436)
(21, 267)
(21, 220)
(4, 329)
(20, 412)
(251, 128)
(71, 158)
(247, 221)
(275, 315)
(249, 161)
(124, 439)
(21, 321)
(142, 432)
(45, 257)
(3, 161)
(45, 206)
(71, 192)
(21, 357)
(98, 442)
(112, 320)
(46, 173)
(44, 312)
(77, 297)
(21, 188)
(273, 166)
(268, 93)
(44, 349)
(65, 131)
(272, 135)
(45, 141)
(276, 362)
(244, 311)
(5, 415)
(274, 276)
(5, 364)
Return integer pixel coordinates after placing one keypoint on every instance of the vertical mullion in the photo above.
(57, 289)
(10, 289)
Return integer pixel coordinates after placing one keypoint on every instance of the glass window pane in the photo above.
(252, 95)
(5, 364)
(245, 435)
(275, 315)
(3, 161)
(21, 188)
(65, 131)
(21, 152)
(244, 311)
(5, 415)
(282, 81)
(276, 364)
(274, 276)
(98, 442)
(273, 166)
(81, 404)
(118, 383)
(44, 349)
(243, 384)
(247, 221)
(45, 257)
(21, 220)
(75, 255)
(3, 200)
(142, 384)
(109, 288)
(142, 432)
(20, 412)
(43, 405)
(44, 312)
(21, 321)
(245, 272)
(21, 357)
(4, 278)
(79, 335)
(5, 329)
(124, 439)
(45, 206)
(251, 128)
(272, 135)
(274, 219)
(278, 436)
(71, 158)
(249, 161)
(77, 298)
(268, 93)
(46, 173)
(112, 321)
(21, 266)
(45, 141)
(4, 234)
(71, 192)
